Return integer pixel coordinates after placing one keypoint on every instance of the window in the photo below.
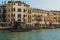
(23, 19)
(19, 15)
(14, 3)
(13, 9)
(0, 16)
(29, 16)
(13, 19)
(55, 14)
(19, 4)
(24, 10)
(13, 15)
(19, 19)
(24, 15)
(59, 17)
(29, 11)
(9, 10)
(9, 4)
(54, 17)
(38, 16)
(29, 20)
(34, 15)
(8, 20)
(8, 15)
(0, 10)
(24, 4)
(19, 9)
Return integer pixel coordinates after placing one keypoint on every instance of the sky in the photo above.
(42, 4)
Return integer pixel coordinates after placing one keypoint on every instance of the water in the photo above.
(42, 34)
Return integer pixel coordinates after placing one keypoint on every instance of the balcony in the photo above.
(38, 19)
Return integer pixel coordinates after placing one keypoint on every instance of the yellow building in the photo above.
(22, 12)
(38, 16)
(17, 11)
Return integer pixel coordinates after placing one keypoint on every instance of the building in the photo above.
(17, 11)
(56, 17)
(38, 15)
(2, 15)
(23, 13)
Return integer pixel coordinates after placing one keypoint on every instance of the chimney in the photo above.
(4, 2)
(12, 0)
(24, 2)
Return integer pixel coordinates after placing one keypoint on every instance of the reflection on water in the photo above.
(42, 34)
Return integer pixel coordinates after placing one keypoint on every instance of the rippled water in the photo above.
(42, 34)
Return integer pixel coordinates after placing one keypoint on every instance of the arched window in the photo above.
(19, 4)
(19, 10)
(24, 10)
(13, 9)
(19, 15)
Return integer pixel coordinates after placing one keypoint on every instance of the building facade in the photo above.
(23, 13)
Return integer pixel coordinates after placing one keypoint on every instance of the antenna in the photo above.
(23, 2)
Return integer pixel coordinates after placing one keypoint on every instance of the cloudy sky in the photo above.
(42, 4)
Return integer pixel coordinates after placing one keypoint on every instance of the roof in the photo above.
(19, 2)
(38, 9)
(55, 11)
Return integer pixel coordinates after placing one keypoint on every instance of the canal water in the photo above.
(42, 34)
